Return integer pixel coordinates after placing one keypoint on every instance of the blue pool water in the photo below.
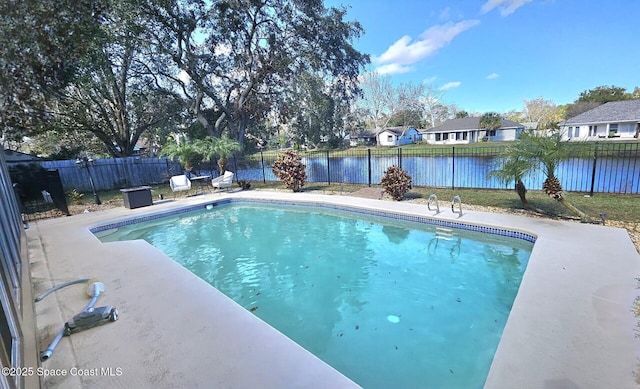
(388, 303)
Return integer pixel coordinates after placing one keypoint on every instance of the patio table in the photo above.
(201, 181)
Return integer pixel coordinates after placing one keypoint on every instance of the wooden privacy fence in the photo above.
(114, 173)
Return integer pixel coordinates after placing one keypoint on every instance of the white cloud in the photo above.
(404, 52)
(393, 68)
(450, 85)
(492, 76)
(507, 7)
(429, 80)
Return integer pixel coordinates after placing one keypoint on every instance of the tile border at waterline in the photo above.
(346, 208)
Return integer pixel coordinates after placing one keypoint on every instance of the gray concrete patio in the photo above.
(571, 325)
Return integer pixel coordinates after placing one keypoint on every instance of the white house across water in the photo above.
(613, 120)
(397, 136)
(466, 130)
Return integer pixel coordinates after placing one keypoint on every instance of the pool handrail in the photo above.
(433, 197)
(453, 202)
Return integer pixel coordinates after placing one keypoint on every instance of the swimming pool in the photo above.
(386, 302)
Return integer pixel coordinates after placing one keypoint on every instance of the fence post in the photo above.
(264, 175)
(328, 170)
(235, 166)
(369, 165)
(453, 167)
(400, 157)
(593, 171)
(127, 170)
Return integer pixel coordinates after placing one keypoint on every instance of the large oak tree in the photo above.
(118, 95)
(238, 58)
(118, 69)
(43, 44)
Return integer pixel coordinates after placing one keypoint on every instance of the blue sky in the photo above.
(491, 55)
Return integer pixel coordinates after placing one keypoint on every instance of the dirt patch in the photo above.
(76, 209)
(369, 193)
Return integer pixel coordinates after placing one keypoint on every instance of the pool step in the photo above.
(444, 233)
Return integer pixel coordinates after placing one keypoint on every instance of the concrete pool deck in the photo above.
(571, 325)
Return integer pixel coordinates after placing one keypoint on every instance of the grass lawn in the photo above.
(617, 207)
(407, 150)
(578, 149)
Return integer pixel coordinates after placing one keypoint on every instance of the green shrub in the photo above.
(75, 197)
(244, 184)
(290, 170)
(396, 182)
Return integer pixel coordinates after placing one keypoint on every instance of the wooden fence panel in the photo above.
(114, 173)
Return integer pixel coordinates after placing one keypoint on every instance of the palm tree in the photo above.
(549, 150)
(514, 167)
(222, 147)
(490, 121)
(186, 152)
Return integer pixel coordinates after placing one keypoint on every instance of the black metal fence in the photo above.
(605, 167)
(593, 168)
(39, 192)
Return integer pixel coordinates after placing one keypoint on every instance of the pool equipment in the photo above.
(89, 317)
(58, 287)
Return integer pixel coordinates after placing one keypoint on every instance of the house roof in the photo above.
(372, 133)
(16, 156)
(397, 130)
(368, 133)
(469, 123)
(611, 112)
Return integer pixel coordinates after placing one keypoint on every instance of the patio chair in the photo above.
(179, 183)
(224, 181)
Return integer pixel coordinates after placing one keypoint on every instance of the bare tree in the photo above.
(376, 98)
(435, 111)
(383, 101)
(545, 112)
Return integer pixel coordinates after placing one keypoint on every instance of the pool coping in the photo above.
(571, 323)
